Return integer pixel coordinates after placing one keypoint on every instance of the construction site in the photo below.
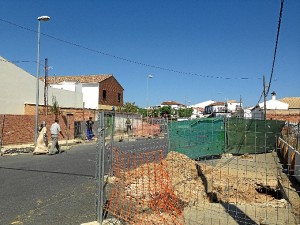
(207, 171)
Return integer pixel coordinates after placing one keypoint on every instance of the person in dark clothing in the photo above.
(89, 127)
(128, 124)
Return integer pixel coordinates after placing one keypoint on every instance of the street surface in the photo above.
(49, 190)
(59, 189)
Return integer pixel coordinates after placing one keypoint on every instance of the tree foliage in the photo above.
(55, 107)
(129, 107)
(185, 112)
(165, 111)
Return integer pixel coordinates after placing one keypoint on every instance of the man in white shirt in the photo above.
(55, 131)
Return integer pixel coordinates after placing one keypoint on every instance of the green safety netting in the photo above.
(196, 138)
(214, 136)
(251, 136)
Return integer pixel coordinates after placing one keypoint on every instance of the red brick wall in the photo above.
(113, 88)
(78, 114)
(19, 129)
(293, 118)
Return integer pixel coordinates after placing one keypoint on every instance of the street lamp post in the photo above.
(45, 19)
(148, 77)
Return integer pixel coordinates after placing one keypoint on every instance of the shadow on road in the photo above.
(46, 171)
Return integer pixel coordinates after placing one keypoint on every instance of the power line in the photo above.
(128, 60)
(276, 45)
(275, 53)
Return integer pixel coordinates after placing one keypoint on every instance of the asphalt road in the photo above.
(59, 189)
(49, 190)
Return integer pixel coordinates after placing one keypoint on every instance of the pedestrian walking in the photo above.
(42, 141)
(128, 124)
(89, 129)
(55, 131)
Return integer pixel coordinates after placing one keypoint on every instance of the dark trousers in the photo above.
(128, 127)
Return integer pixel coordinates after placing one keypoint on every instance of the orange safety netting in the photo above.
(142, 192)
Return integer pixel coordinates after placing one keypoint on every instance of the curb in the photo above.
(29, 148)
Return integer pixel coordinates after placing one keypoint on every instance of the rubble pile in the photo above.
(147, 130)
(183, 173)
(161, 190)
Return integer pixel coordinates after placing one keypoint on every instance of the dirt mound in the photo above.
(187, 185)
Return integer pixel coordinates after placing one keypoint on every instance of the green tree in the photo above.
(130, 107)
(55, 107)
(142, 111)
(165, 110)
(185, 112)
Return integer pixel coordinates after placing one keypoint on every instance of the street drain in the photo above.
(275, 193)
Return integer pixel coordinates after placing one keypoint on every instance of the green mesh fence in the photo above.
(251, 136)
(196, 138)
(214, 136)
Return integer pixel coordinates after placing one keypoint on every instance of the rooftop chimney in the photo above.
(273, 95)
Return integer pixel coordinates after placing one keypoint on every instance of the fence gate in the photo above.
(127, 143)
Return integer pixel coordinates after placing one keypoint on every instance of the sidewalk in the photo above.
(29, 148)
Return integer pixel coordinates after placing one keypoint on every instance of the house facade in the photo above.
(100, 92)
(273, 104)
(18, 87)
(216, 107)
(233, 105)
(173, 104)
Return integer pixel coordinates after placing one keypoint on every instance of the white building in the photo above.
(18, 87)
(173, 104)
(202, 104)
(101, 91)
(233, 105)
(216, 107)
(273, 104)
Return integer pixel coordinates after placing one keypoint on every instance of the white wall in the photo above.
(90, 95)
(18, 87)
(232, 106)
(65, 98)
(274, 104)
(203, 104)
(70, 86)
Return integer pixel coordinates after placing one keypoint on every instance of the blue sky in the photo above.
(195, 42)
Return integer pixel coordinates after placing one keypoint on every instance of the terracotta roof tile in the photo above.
(217, 103)
(80, 78)
(171, 103)
(294, 102)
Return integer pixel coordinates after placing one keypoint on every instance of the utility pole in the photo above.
(241, 101)
(265, 104)
(46, 87)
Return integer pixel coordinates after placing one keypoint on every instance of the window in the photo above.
(104, 95)
(119, 97)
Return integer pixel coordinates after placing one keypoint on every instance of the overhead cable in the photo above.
(276, 45)
(129, 60)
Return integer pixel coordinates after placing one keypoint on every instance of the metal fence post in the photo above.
(101, 146)
(298, 137)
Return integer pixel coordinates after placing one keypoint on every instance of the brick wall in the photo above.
(78, 114)
(112, 88)
(292, 118)
(19, 129)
